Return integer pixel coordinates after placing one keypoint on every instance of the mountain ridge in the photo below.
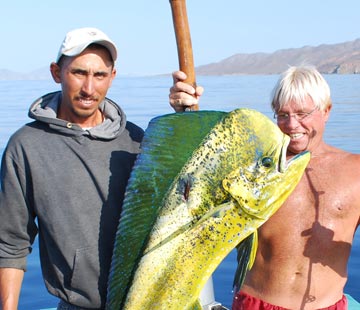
(340, 58)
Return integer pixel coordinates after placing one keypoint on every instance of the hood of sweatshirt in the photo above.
(45, 109)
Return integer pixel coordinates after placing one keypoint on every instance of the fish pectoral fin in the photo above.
(219, 211)
(246, 257)
(254, 247)
(196, 306)
(214, 212)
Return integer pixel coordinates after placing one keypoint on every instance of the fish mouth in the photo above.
(284, 162)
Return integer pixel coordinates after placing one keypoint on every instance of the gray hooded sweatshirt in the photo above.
(67, 185)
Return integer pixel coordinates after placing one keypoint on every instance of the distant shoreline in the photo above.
(341, 58)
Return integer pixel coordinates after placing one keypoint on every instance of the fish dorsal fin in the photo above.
(168, 143)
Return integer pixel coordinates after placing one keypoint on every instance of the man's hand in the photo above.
(182, 95)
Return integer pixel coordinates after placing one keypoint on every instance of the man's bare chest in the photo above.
(321, 199)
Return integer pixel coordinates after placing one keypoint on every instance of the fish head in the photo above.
(264, 176)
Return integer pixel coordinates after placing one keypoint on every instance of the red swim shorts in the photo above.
(244, 301)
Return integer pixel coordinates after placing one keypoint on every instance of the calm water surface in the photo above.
(144, 98)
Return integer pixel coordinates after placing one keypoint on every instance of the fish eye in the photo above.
(267, 162)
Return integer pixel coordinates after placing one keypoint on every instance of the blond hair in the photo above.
(297, 84)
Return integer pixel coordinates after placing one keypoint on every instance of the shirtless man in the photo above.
(303, 251)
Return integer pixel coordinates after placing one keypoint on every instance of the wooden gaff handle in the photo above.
(183, 41)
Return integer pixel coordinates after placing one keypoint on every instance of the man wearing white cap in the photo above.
(63, 177)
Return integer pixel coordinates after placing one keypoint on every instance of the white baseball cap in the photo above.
(77, 40)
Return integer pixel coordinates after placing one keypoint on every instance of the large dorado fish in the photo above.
(204, 182)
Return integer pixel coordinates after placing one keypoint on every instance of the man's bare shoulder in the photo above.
(344, 156)
(341, 166)
(349, 162)
(352, 159)
(347, 171)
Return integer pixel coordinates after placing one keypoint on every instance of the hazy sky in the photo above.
(31, 31)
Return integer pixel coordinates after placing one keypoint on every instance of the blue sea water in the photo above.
(146, 97)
